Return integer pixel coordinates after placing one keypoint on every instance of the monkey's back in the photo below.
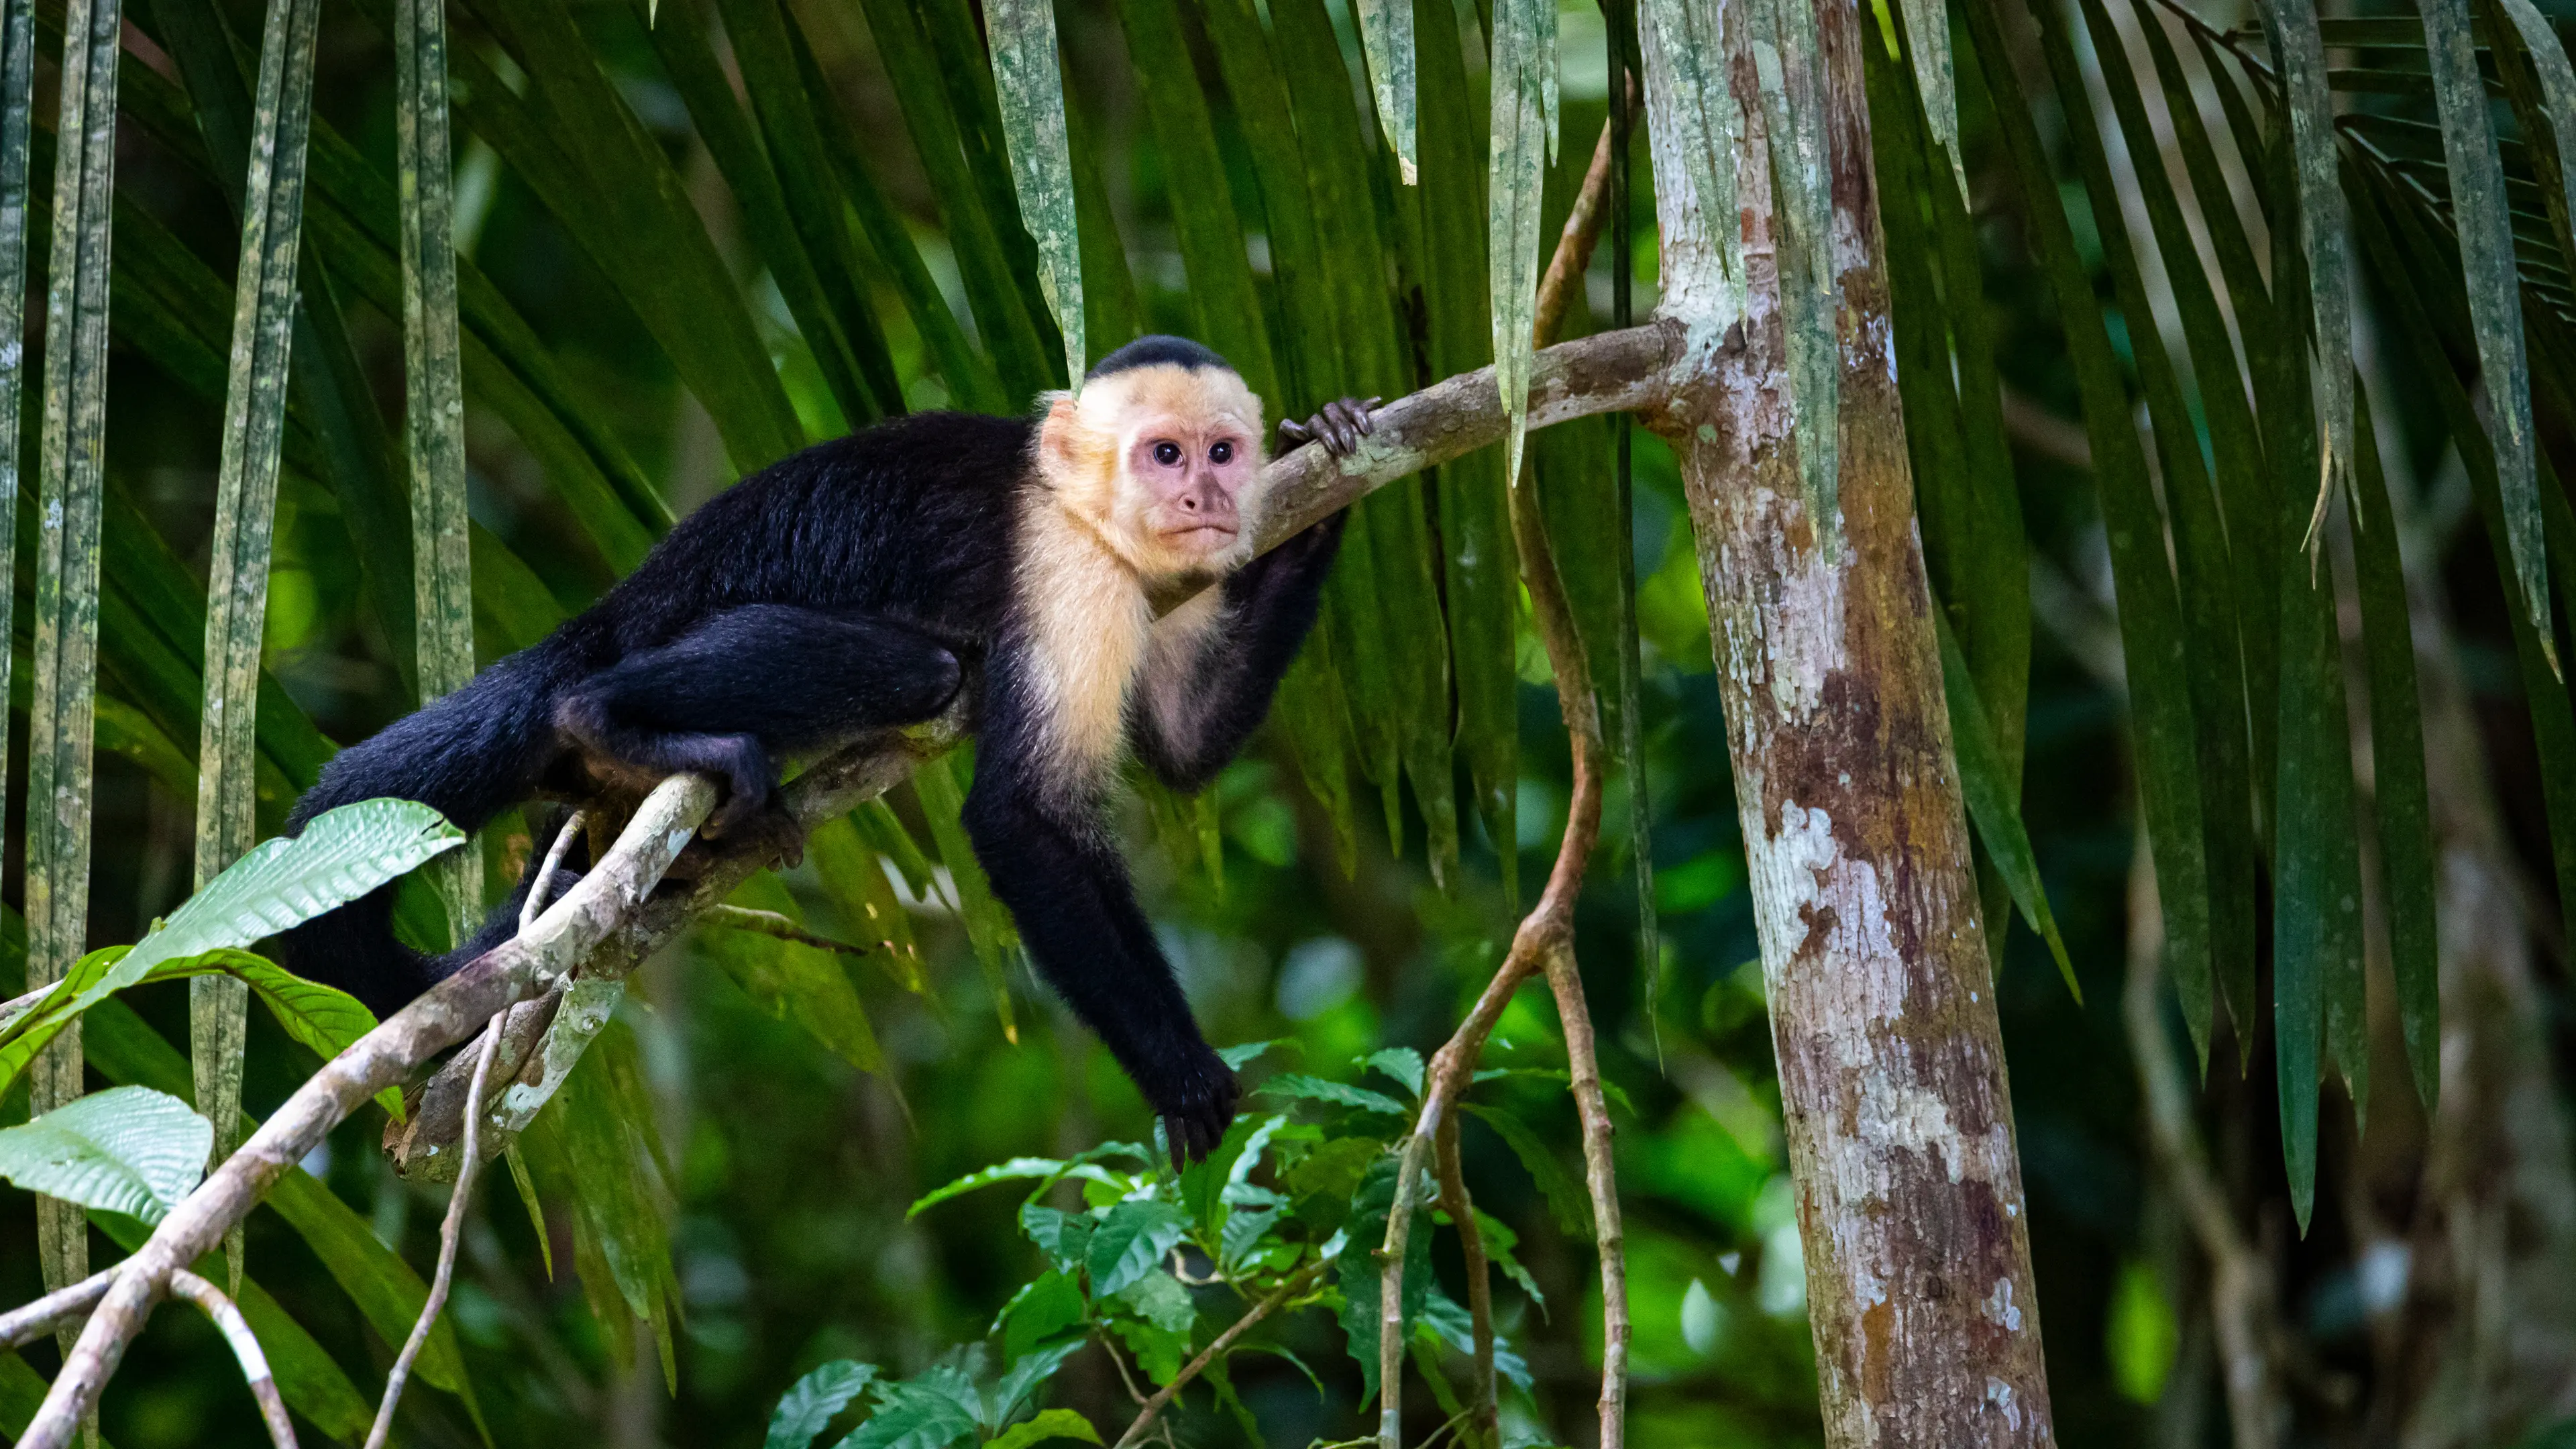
(912, 519)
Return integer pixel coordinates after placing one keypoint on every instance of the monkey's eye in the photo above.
(1168, 454)
(1221, 454)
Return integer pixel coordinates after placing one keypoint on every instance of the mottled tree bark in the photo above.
(1891, 1061)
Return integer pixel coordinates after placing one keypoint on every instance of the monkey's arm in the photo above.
(1067, 888)
(1206, 691)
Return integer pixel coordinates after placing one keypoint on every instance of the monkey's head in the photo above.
(1162, 456)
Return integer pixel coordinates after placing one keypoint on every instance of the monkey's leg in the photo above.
(749, 684)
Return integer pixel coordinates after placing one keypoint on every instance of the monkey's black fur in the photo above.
(856, 585)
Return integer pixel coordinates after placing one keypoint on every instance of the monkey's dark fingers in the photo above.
(1293, 433)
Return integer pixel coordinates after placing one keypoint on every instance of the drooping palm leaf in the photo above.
(67, 594)
(245, 512)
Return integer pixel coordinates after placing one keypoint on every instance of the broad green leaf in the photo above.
(1027, 1372)
(1402, 1063)
(1566, 1199)
(1064, 1237)
(813, 1401)
(1044, 1307)
(2494, 294)
(1029, 83)
(1998, 820)
(2401, 800)
(1049, 1424)
(1159, 1299)
(922, 1413)
(1360, 1277)
(1299, 1086)
(1130, 1242)
(2299, 58)
(1015, 1170)
(126, 1150)
(2152, 634)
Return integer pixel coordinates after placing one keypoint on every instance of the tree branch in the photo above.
(245, 1346)
(63, 1305)
(611, 896)
(1304, 1282)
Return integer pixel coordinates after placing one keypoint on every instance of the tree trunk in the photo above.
(1891, 1059)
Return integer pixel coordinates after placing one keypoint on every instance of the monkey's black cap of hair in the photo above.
(1157, 351)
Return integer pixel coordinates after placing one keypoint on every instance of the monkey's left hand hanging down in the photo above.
(871, 582)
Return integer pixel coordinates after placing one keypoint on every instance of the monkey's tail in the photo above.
(468, 755)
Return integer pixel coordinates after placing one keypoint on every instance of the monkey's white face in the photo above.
(1165, 464)
(1191, 473)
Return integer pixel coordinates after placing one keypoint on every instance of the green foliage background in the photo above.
(692, 245)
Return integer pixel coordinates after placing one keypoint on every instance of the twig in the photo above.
(771, 923)
(451, 1230)
(63, 1305)
(1601, 1176)
(1545, 932)
(608, 898)
(1259, 1311)
(245, 1346)
(1486, 1410)
(1573, 255)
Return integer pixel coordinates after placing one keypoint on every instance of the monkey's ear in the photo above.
(1061, 435)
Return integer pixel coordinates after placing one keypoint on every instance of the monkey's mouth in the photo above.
(1208, 537)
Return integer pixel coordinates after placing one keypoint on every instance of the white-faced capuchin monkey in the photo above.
(862, 584)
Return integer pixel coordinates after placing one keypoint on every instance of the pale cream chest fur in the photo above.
(1094, 639)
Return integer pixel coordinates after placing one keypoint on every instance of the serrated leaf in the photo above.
(1050, 1424)
(1299, 1086)
(1064, 1237)
(814, 1400)
(1160, 1300)
(1566, 1199)
(931, 1409)
(1047, 1305)
(126, 1150)
(1404, 1064)
(1130, 1241)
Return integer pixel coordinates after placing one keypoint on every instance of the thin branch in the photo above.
(1601, 1176)
(611, 896)
(1163, 1396)
(771, 923)
(451, 1230)
(1486, 1410)
(62, 1306)
(1573, 256)
(245, 1346)
(1545, 933)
